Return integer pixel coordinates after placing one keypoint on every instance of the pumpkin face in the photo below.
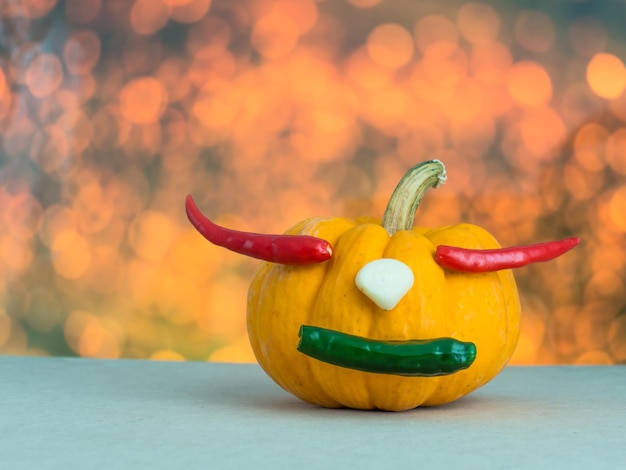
(481, 308)
(378, 321)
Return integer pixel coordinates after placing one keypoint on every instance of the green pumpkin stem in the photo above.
(400, 211)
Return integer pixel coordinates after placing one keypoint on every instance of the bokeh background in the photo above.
(271, 111)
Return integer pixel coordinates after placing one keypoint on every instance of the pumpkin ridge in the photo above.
(342, 307)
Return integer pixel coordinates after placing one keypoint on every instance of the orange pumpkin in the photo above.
(483, 309)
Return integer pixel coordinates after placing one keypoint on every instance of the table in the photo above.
(70, 413)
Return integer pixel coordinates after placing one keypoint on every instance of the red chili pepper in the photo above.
(481, 261)
(284, 249)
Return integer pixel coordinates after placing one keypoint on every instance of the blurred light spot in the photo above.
(151, 235)
(172, 74)
(478, 23)
(78, 128)
(92, 211)
(606, 75)
(211, 67)
(166, 355)
(466, 103)
(436, 34)
(189, 11)
(617, 212)
(210, 31)
(38, 8)
(148, 16)
(543, 132)
(239, 351)
(177, 3)
(81, 52)
(82, 11)
(532, 332)
(589, 145)
(437, 79)
(390, 45)
(56, 219)
(303, 13)
(473, 137)
(71, 255)
(420, 143)
(44, 75)
(143, 100)
(615, 150)
(582, 184)
(224, 315)
(3, 83)
(274, 36)
(588, 36)
(88, 337)
(22, 214)
(363, 73)
(534, 31)
(364, 3)
(16, 254)
(387, 108)
(596, 358)
(529, 84)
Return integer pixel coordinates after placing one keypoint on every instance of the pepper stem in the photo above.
(403, 203)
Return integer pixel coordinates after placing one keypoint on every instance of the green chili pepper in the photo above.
(415, 358)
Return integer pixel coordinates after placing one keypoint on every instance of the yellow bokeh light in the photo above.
(151, 235)
(71, 255)
(166, 355)
(617, 209)
(606, 75)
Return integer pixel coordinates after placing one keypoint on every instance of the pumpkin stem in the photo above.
(403, 203)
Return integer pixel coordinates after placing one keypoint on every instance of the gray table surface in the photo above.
(67, 413)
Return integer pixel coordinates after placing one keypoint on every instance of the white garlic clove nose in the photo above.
(385, 281)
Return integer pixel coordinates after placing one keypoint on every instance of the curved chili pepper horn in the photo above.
(482, 261)
(284, 249)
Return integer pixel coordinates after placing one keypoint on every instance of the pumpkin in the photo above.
(481, 308)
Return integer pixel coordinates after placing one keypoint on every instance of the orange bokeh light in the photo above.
(521, 75)
(271, 111)
(149, 16)
(390, 45)
(275, 35)
(606, 75)
(478, 23)
(436, 34)
(143, 100)
(81, 52)
(44, 75)
(189, 11)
